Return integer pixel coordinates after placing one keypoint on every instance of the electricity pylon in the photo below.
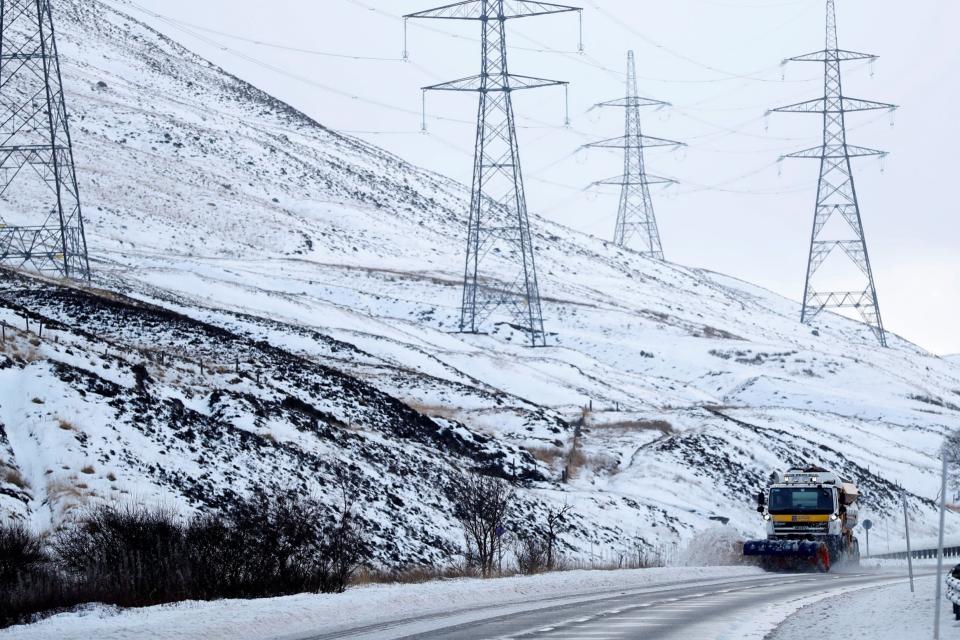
(636, 218)
(41, 226)
(837, 194)
(498, 220)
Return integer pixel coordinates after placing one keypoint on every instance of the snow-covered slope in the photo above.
(212, 200)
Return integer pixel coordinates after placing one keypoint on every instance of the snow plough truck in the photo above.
(810, 515)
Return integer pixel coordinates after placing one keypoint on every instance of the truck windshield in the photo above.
(796, 500)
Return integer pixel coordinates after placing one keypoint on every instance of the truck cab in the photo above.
(813, 505)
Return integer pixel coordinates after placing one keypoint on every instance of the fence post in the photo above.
(906, 525)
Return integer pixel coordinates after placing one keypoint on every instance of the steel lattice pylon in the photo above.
(498, 220)
(35, 146)
(636, 217)
(837, 194)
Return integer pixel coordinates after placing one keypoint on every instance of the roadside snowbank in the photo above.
(887, 613)
(297, 616)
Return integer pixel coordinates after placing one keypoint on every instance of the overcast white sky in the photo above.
(717, 61)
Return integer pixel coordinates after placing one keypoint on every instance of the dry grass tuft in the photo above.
(59, 489)
(66, 425)
(14, 477)
(546, 455)
(89, 470)
(434, 410)
(601, 463)
(415, 575)
(662, 426)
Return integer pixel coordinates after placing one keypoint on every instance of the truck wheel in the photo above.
(823, 559)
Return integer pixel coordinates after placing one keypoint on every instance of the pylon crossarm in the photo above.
(856, 104)
(477, 10)
(810, 106)
(514, 83)
(468, 10)
(821, 152)
(633, 142)
(631, 102)
(532, 8)
(621, 181)
(844, 105)
(836, 54)
(529, 82)
(842, 299)
(863, 152)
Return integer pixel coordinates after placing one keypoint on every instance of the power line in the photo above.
(272, 45)
(681, 56)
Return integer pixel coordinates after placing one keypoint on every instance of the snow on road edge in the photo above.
(300, 615)
(884, 613)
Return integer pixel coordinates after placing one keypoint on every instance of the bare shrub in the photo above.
(136, 556)
(129, 557)
(531, 555)
(26, 574)
(482, 505)
(21, 552)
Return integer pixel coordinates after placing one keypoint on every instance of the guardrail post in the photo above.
(906, 525)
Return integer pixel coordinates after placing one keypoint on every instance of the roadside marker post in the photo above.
(943, 507)
(867, 525)
(906, 526)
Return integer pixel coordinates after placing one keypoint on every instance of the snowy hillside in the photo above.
(333, 268)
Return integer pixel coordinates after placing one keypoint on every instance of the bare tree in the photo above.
(481, 505)
(557, 523)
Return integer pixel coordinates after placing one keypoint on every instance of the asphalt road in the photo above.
(701, 610)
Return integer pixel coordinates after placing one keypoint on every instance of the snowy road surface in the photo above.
(736, 603)
(735, 610)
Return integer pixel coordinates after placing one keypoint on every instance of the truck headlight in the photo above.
(834, 518)
(766, 516)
